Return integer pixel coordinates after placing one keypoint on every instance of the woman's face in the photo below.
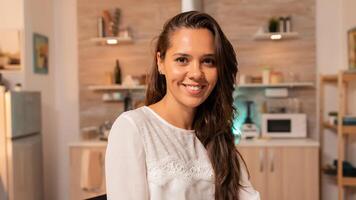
(189, 66)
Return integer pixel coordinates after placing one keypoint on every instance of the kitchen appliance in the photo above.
(284, 125)
(20, 146)
(249, 128)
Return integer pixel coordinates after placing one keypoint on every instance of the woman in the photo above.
(180, 145)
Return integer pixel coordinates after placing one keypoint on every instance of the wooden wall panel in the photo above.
(239, 19)
(145, 18)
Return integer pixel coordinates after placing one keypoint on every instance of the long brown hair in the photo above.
(214, 117)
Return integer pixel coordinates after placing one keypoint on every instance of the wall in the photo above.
(95, 61)
(11, 14)
(38, 15)
(59, 88)
(240, 20)
(31, 16)
(57, 20)
(65, 70)
(334, 18)
(10, 41)
(66, 91)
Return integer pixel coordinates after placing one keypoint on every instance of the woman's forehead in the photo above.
(188, 40)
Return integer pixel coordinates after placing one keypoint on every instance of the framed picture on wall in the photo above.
(40, 54)
(10, 49)
(352, 49)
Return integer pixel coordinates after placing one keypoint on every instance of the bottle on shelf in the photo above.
(288, 24)
(117, 73)
(101, 28)
(281, 24)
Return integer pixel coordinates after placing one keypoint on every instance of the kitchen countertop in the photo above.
(89, 143)
(306, 142)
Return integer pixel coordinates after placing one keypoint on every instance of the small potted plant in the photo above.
(273, 25)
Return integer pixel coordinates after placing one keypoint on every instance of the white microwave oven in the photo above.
(284, 125)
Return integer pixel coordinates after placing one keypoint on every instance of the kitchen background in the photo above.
(76, 61)
(239, 19)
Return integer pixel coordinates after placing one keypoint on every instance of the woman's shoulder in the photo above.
(127, 125)
(137, 115)
(132, 118)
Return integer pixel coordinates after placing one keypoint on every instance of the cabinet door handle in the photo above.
(272, 161)
(261, 160)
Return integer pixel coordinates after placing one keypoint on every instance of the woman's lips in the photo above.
(193, 89)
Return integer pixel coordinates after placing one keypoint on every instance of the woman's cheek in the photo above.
(177, 71)
(212, 76)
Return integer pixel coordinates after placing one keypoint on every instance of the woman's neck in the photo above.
(174, 113)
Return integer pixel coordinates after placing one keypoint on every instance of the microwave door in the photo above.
(279, 127)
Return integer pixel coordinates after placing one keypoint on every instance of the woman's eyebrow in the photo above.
(187, 55)
(209, 55)
(182, 54)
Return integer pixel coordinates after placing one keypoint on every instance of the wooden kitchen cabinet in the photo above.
(283, 172)
(79, 171)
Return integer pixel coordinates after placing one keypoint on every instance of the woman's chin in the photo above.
(192, 102)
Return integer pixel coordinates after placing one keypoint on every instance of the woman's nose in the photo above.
(195, 71)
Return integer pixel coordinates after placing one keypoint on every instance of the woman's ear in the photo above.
(160, 63)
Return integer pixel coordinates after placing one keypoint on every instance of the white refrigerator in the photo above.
(21, 169)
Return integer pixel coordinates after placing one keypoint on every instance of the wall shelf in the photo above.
(276, 36)
(11, 68)
(112, 40)
(346, 77)
(346, 180)
(113, 101)
(349, 181)
(279, 85)
(347, 129)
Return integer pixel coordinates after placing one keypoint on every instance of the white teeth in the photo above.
(196, 88)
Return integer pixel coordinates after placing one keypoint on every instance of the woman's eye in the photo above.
(181, 60)
(209, 61)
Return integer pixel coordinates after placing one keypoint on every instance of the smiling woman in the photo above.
(189, 68)
(180, 145)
